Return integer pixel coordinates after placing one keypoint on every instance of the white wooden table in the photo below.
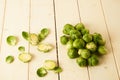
(101, 16)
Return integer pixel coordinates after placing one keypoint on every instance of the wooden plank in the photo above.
(16, 20)
(42, 16)
(2, 7)
(67, 12)
(92, 16)
(112, 16)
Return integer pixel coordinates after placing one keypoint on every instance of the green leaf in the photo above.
(12, 40)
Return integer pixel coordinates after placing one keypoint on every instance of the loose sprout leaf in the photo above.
(43, 34)
(45, 47)
(41, 72)
(49, 64)
(58, 70)
(12, 40)
(25, 57)
(9, 59)
(21, 48)
(25, 35)
(45, 31)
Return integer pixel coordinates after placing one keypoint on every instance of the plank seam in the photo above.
(29, 24)
(78, 11)
(3, 23)
(81, 21)
(54, 9)
(109, 38)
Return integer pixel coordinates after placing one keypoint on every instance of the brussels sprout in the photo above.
(74, 34)
(84, 31)
(43, 34)
(81, 62)
(72, 53)
(87, 37)
(64, 39)
(91, 46)
(79, 26)
(101, 42)
(33, 39)
(41, 72)
(25, 57)
(58, 69)
(97, 37)
(9, 59)
(44, 47)
(85, 53)
(78, 43)
(21, 48)
(12, 40)
(68, 28)
(93, 60)
(69, 44)
(49, 64)
(25, 35)
(102, 50)
(79, 51)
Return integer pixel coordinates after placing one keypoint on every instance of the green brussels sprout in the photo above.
(84, 31)
(85, 53)
(78, 43)
(91, 46)
(72, 53)
(102, 50)
(97, 37)
(49, 64)
(101, 42)
(58, 69)
(9, 59)
(79, 51)
(79, 26)
(67, 28)
(93, 60)
(69, 44)
(41, 72)
(74, 34)
(33, 39)
(81, 62)
(25, 35)
(64, 39)
(43, 34)
(44, 47)
(87, 37)
(25, 57)
(21, 48)
(12, 40)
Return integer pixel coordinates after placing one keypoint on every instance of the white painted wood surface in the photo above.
(101, 16)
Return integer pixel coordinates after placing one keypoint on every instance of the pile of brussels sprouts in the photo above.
(83, 46)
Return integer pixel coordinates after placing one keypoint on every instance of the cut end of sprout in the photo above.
(25, 57)
(45, 47)
(49, 64)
